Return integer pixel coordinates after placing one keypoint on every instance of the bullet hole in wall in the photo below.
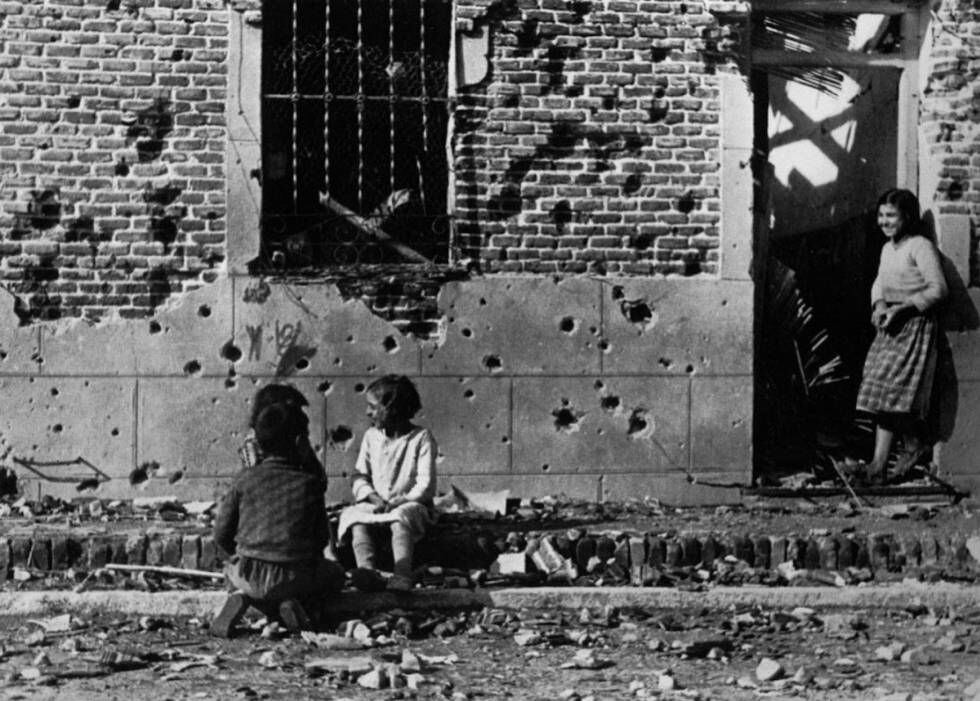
(176, 477)
(568, 325)
(609, 402)
(54, 392)
(192, 367)
(390, 344)
(638, 422)
(467, 333)
(231, 352)
(566, 419)
(87, 485)
(155, 327)
(636, 311)
(302, 363)
(324, 387)
(689, 369)
(492, 363)
(57, 428)
(666, 363)
(546, 467)
(468, 394)
(114, 432)
(204, 311)
(359, 387)
(341, 436)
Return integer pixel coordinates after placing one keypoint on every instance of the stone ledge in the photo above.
(203, 603)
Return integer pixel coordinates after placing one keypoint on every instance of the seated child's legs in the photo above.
(365, 550)
(402, 549)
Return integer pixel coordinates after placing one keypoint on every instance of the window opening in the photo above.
(355, 113)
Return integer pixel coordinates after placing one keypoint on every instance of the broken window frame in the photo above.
(399, 221)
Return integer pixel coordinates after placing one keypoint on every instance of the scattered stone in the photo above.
(269, 659)
(972, 692)
(410, 662)
(525, 638)
(918, 656)
(897, 696)
(746, 682)
(666, 681)
(586, 659)
(768, 670)
(950, 643)
(889, 653)
(374, 679)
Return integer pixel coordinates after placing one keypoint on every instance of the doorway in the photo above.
(836, 107)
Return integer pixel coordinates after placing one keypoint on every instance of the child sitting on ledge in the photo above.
(394, 482)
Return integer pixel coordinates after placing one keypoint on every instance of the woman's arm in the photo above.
(363, 485)
(930, 265)
(425, 471)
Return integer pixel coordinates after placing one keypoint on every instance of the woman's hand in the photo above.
(895, 317)
(395, 503)
(879, 315)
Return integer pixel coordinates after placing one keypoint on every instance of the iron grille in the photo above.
(355, 112)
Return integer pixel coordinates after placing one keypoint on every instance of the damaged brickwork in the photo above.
(112, 180)
(593, 143)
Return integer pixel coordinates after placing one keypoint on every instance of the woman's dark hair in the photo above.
(275, 394)
(397, 394)
(907, 205)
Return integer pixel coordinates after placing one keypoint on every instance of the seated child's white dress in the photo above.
(399, 469)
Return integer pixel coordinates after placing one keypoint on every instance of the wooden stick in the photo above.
(371, 230)
(172, 571)
(843, 478)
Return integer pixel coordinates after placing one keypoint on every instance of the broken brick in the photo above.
(846, 552)
(777, 551)
(711, 550)
(39, 557)
(99, 553)
(763, 548)
(154, 551)
(209, 554)
(4, 559)
(656, 548)
(691, 551)
(744, 550)
(827, 548)
(811, 557)
(135, 549)
(62, 556)
(20, 550)
(672, 553)
(190, 552)
(584, 551)
(172, 550)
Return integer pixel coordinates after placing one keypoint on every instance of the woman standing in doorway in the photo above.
(900, 367)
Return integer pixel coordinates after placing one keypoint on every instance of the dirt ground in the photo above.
(498, 654)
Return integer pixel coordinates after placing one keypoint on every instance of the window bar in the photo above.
(419, 158)
(326, 98)
(360, 105)
(391, 95)
(295, 100)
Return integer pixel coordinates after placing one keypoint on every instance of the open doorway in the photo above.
(836, 101)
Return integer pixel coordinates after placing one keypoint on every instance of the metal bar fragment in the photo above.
(392, 67)
(419, 158)
(371, 230)
(326, 96)
(295, 103)
(360, 104)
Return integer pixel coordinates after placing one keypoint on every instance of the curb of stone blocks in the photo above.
(204, 603)
(890, 554)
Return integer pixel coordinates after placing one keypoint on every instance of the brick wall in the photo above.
(593, 146)
(112, 183)
(950, 117)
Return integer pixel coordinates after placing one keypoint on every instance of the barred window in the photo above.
(355, 111)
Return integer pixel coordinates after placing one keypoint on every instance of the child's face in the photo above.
(890, 220)
(377, 412)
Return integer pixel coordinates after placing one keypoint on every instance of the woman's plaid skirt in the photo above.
(900, 368)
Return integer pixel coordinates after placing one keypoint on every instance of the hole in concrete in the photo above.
(724, 302)
(390, 344)
(302, 363)
(57, 428)
(324, 387)
(192, 367)
(468, 394)
(176, 477)
(689, 369)
(155, 327)
(231, 383)
(545, 467)
(604, 346)
(114, 431)
(231, 352)
(341, 437)
(599, 384)
(599, 431)
(566, 419)
(142, 473)
(609, 403)
(359, 387)
(492, 363)
(617, 292)
(504, 439)
(639, 423)
(567, 325)
(666, 363)
(350, 339)
(483, 302)
(467, 333)
(54, 392)
(204, 311)
(636, 311)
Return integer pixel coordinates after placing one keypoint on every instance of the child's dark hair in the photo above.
(277, 427)
(907, 205)
(397, 394)
(275, 394)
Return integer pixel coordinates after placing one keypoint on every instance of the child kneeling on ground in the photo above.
(272, 527)
(394, 483)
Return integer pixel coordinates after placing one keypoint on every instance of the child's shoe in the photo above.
(231, 613)
(400, 582)
(367, 580)
(293, 616)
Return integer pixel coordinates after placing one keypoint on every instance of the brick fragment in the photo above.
(762, 547)
(190, 552)
(209, 554)
(4, 559)
(827, 548)
(811, 558)
(744, 550)
(673, 553)
(135, 549)
(656, 551)
(172, 550)
(777, 551)
(154, 551)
